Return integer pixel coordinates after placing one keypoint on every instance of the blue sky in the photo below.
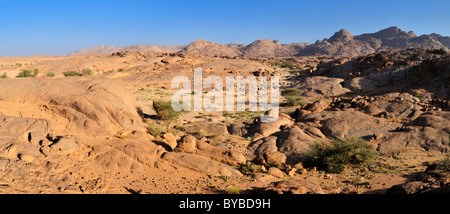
(52, 27)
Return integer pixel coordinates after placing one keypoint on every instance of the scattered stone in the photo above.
(170, 140)
(67, 144)
(259, 160)
(275, 158)
(187, 144)
(26, 157)
(276, 172)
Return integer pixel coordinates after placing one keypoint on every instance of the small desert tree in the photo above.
(293, 97)
(333, 157)
(165, 112)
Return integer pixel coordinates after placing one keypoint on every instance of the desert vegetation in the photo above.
(28, 73)
(335, 156)
(345, 126)
(293, 97)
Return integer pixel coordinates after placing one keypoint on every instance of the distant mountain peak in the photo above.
(342, 43)
(342, 35)
(393, 33)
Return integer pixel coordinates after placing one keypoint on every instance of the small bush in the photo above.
(291, 92)
(71, 74)
(165, 111)
(50, 74)
(121, 70)
(201, 134)
(28, 73)
(4, 76)
(86, 72)
(335, 156)
(289, 65)
(155, 130)
(246, 168)
(293, 97)
(233, 190)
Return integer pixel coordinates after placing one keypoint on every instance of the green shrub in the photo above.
(155, 130)
(246, 168)
(277, 64)
(50, 74)
(233, 190)
(289, 65)
(71, 73)
(28, 73)
(201, 134)
(293, 97)
(121, 70)
(4, 76)
(165, 112)
(86, 72)
(335, 156)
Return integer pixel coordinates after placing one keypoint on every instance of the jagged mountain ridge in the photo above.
(342, 43)
(104, 49)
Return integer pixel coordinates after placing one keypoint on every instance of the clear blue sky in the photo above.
(30, 27)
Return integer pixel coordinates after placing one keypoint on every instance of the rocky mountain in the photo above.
(445, 40)
(102, 49)
(342, 43)
(208, 48)
(262, 48)
(266, 48)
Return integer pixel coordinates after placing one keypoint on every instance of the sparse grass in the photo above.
(28, 73)
(294, 72)
(335, 156)
(233, 190)
(123, 137)
(293, 97)
(243, 114)
(121, 70)
(224, 177)
(201, 134)
(155, 130)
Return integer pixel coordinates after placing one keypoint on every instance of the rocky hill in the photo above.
(342, 43)
(266, 48)
(208, 48)
(102, 49)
